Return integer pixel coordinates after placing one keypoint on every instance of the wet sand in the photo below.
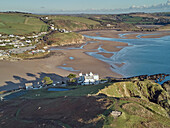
(130, 35)
(110, 46)
(107, 55)
(119, 65)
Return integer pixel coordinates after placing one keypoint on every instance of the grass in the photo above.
(64, 38)
(136, 112)
(75, 19)
(6, 47)
(144, 89)
(25, 55)
(73, 23)
(133, 119)
(76, 91)
(134, 20)
(20, 25)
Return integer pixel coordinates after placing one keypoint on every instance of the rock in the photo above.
(116, 114)
(166, 86)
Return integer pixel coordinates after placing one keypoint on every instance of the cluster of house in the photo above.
(87, 79)
(52, 26)
(19, 41)
(83, 79)
(58, 29)
(19, 44)
(38, 85)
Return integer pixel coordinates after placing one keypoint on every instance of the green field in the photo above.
(73, 23)
(75, 19)
(77, 91)
(19, 24)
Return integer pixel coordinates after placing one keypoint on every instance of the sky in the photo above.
(56, 5)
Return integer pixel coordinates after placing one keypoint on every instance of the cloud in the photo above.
(158, 7)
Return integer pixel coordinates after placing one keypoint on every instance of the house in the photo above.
(11, 36)
(52, 28)
(29, 86)
(108, 25)
(7, 40)
(28, 41)
(3, 44)
(22, 37)
(38, 51)
(86, 79)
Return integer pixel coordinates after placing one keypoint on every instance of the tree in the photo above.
(71, 76)
(47, 80)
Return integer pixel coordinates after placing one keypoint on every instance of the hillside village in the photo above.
(16, 44)
(19, 44)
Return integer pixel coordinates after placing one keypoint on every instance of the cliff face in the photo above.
(166, 86)
(145, 90)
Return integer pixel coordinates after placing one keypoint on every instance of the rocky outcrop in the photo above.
(166, 86)
(156, 77)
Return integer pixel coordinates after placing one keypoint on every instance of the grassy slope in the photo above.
(20, 25)
(136, 112)
(73, 23)
(144, 89)
(65, 38)
(76, 19)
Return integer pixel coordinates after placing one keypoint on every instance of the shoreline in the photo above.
(82, 62)
(129, 34)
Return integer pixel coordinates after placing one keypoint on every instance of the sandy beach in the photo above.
(17, 71)
(81, 62)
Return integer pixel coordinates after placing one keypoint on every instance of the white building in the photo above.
(52, 28)
(86, 79)
(28, 41)
(22, 37)
(7, 40)
(29, 86)
(11, 36)
(3, 44)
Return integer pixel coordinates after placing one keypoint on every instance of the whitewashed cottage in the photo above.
(86, 79)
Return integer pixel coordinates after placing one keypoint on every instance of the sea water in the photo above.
(142, 56)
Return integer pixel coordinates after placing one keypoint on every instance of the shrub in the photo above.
(71, 76)
(47, 80)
